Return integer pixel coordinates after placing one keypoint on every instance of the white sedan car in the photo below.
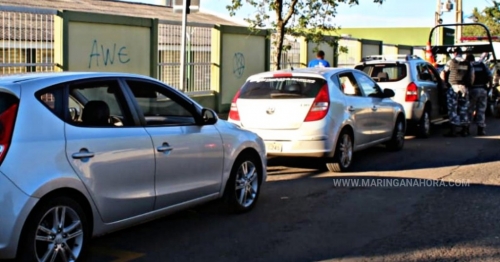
(319, 112)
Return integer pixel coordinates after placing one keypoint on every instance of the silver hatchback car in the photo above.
(83, 154)
(319, 112)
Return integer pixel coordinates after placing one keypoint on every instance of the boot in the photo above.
(452, 132)
(480, 131)
(465, 131)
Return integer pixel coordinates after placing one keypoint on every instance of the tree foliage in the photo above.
(310, 19)
(490, 16)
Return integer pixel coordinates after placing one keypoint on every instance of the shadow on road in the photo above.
(436, 151)
(311, 219)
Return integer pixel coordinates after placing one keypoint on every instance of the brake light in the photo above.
(7, 120)
(282, 74)
(320, 106)
(233, 112)
(411, 93)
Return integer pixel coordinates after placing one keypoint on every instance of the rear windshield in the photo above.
(283, 87)
(384, 72)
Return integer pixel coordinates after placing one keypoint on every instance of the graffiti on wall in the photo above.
(238, 65)
(107, 55)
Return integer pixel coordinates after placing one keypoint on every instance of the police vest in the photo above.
(481, 75)
(459, 72)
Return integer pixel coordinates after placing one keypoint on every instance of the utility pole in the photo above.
(438, 21)
(459, 18)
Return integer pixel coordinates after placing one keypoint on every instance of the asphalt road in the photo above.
(302, 215)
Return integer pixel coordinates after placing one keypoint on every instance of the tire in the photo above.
(35, 242)
(424, 125)
(342, 158)
(398, 136)
(243, 186)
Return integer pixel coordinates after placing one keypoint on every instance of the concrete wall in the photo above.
(390, 49)
(99, 42)
(412, 36)
(237, 54)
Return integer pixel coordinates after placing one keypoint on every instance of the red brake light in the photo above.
(233, 112)
(7, 120)
(320, 106)
(282, 74)
(411, 93)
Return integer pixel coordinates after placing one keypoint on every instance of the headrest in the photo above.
(96, 113)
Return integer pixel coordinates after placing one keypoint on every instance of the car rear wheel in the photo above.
(398, 136)
(344, 151)
(424, 125)
(243, 186)
(57, 230)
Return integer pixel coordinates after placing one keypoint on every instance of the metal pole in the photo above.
(459, 17)
(438, 16)
(182, 82)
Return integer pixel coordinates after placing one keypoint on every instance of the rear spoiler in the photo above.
(389, 57)
(486, 47)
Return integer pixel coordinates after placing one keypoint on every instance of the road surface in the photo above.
(307, 214)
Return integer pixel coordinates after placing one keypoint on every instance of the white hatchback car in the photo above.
(319, 112)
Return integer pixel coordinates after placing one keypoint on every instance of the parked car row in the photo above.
(110, 150)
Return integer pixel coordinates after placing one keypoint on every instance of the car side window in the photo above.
(336, 82)
(368, 86)
(160, 106)
(432, 72)
(97, 104)
(349, 85)
(425, 73)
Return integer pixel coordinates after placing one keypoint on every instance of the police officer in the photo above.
(461, 76)
(478, 93)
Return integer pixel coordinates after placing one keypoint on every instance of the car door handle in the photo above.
(164, 148)
(351, 109)
(83, 154)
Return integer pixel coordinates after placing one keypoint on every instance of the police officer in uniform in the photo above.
(478, 93)
(461, 77)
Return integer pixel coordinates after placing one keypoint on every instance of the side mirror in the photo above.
(388, 93)
(209, 116)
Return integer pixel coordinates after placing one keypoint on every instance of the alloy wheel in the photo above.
(59, 236)
(346, 151)
(247, 184)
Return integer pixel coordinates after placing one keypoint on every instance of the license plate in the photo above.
(273, 147)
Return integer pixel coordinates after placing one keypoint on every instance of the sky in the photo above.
(393, 13)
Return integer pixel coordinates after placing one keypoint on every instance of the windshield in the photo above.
(283, 87)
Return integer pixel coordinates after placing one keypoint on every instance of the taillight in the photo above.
(7, 120)
(320, 106)
(411, 93)
(233, 112)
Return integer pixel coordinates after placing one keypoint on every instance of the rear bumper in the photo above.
(306, 148)
(413, 110)
(15, 207)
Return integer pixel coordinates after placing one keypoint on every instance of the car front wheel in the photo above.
(57, 230)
